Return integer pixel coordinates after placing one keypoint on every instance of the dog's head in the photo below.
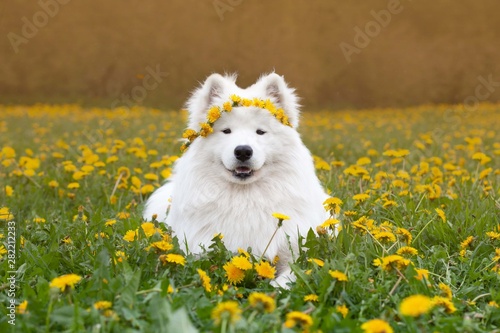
(246, 140)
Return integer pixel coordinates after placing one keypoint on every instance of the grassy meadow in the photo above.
(417, 190)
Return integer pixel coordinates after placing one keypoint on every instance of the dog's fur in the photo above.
(206, 196)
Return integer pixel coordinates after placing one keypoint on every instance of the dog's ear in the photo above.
(276, 89)
(211, 92)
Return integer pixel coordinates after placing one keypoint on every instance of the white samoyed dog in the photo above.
(232, 180)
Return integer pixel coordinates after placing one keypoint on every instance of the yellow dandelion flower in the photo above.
(9, 190)
(69, 167)
(389, 203)
(65, 281)
(78, 175)
(205, 280)
(421, 274)
(338, 275)
(269, 106)
(483, 174)
(321, 164)
(146, 189)
(109, 223)
(227, 106)
(493, 304)
(445, 290)
(258, 103)
(493, 235)
(446, 303)
(8, 152)
(102, 305)
(407, 250)
(123, 215)
(214, 113)
(190, 134)
(235, 98)
(241, 262)
(467, 242)
(243, 252)
(363, 224)
(173, 258)
(481, 157)
(407, 237)
(497, 255)
(205, 129)
(392, 261)
(297, 318)
(39, 220)
(21, 308)
(228, 310)
(53, 183)
(363, 161)
(311, 298)
(377, 326)
(136, 181)
(356, 170)
(234, 274)
(246, 102)
(73, 186)
(396, 153)
(148, 228)
(262, 301)
(441, 214)
(265, 270)
(318, 262)
(151, 176)
(362, 197)
(130, 235)
(385, 236)
(333, 204)
(330, 223)
(342, 309)
(281, 217)
(415, 305)
(162, 245)
(337, 164)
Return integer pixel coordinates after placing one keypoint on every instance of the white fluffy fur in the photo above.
(207, 199)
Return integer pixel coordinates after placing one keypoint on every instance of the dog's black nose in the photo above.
(243, 153)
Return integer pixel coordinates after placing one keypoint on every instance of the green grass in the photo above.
(441, 170)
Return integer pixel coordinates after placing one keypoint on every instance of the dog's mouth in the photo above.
(242, 172)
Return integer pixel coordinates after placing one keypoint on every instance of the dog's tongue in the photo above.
(242, 169)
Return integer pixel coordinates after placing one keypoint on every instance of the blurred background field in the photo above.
(92, 52)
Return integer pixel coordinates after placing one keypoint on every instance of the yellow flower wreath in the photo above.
(215, 112)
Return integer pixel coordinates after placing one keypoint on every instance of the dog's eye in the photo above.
(260, 132)
(226, 131)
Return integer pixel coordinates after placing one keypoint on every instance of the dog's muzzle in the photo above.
(242, 172)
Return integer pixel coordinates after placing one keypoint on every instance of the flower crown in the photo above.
(215, 112)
